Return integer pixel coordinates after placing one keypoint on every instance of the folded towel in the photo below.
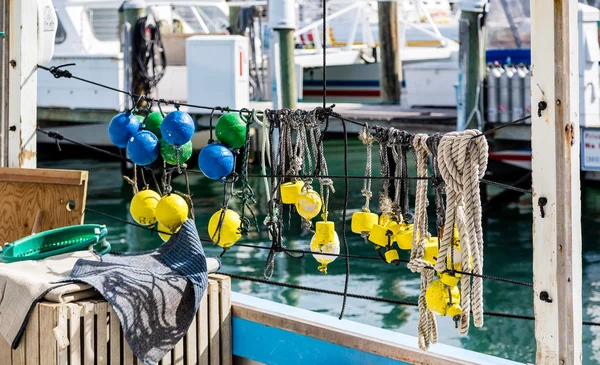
(24, 283)
(155, 294)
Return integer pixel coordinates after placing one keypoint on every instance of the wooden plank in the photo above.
(20, 141)
(101, 333)
(43, 176)
(225, 317)
(75, 334)
(25, 205)
(32, 337)
(191, 341)
(178, 355)
(556, 186)
(18, 354)
(168, 359)
(127, 354)
(203, 335)
(115, 338)
(61, 334)
(5, 351)
(214, 323)
(88, 334)
(47, 341)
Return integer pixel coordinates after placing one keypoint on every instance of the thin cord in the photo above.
(367, 297)
(57, 72)
(59, 137)
(344, 212)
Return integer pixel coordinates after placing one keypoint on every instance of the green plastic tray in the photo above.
(57, 241)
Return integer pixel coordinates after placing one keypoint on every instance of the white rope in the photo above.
(264, 156)
(462, 161)
(427, 329)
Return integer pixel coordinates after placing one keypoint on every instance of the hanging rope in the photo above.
(462, 162)
(427, 330)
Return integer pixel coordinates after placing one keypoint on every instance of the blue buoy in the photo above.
(143, 148)
(216, 161)
(122, 127)
(177, 128)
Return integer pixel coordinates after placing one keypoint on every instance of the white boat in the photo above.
(88, 35)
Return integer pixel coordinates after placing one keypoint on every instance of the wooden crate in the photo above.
(89, 333)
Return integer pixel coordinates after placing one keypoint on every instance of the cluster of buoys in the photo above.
(167, 213)
(216, 160)
(307, 201)
(384, 231)
(308, 204)
(443, 295)
(147, 138)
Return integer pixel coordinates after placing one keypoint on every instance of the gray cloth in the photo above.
(155, 294)
(24, 283)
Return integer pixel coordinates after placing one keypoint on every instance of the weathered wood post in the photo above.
(18, 76)
(471, 59)
(282, 19)
(132, 11)
(390, 71)
(556, 185)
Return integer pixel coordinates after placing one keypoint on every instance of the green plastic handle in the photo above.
(2, 34)
(105, 248)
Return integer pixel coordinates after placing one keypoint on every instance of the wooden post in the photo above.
(389, 74)
(556, 185)
(19, 83)
(3, 83)
(132, 11)
(282, 19)
(471, 60)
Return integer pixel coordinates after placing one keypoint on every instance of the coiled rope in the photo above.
(462, 161)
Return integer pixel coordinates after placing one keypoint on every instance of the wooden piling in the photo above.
(390, 76)
(556, 186)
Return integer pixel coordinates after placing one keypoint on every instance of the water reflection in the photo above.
(508, 253)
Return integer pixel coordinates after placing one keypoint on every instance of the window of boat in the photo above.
(201, 19)
(105, 23)
(61, 35)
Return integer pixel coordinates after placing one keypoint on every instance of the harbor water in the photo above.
(508, 254)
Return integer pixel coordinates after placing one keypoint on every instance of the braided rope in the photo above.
(462, 161)
(367, 139)
(427, 329)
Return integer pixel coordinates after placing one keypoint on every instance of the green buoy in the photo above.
(169, 153)
(153, 122)
(231, 130)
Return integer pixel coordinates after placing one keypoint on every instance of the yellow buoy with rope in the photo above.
(309, 204)
(143, 207)
(290, 191)
(229, 233)
(405, 236)
(444, 300)
(325, 240)
(171, 211)
(363, 222)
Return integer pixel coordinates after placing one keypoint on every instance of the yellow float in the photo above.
(391, 256)
(143, 207)
(380, 235)
(363, 222)
(309, 204)
(164, 236)
(171, 211)
(444, 300)
(290, 191)
(230, 228)
(325, 240)
(404, 236)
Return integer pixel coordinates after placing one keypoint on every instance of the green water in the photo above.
(508, 253)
